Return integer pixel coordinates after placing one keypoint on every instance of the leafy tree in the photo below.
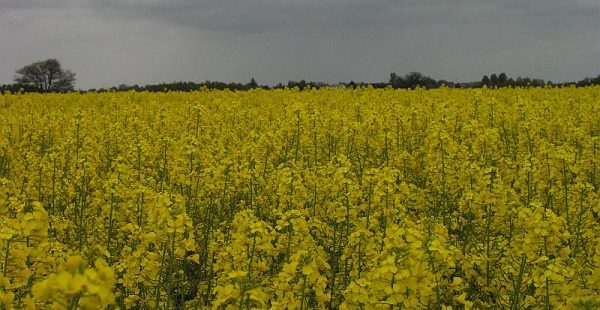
(47, 76)
(588, 81)
(252, 84)
(395, 80)
(485, 81)
(412, 80)
(493, 80)
(502, 79)
(17, 88)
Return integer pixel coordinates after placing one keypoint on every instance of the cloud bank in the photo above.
(108, 42)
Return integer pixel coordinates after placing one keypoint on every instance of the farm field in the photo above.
(315, 199)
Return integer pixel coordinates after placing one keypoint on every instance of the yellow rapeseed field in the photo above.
(287, 199)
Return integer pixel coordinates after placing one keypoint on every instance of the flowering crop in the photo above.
(282, 199)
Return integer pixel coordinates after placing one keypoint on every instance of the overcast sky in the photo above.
(109, 42)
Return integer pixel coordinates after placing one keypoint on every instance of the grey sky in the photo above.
(108, 42)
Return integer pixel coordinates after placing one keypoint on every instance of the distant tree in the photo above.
(252, 84)
(538, 82)
(485, 81)
(47, 76)
(17, 88)
(395, 80)
(428, 82)
(493, 80)
(412, 80)
(302, 84)
(519, 82)
(587, 81)
(502, 79)
(445, 83)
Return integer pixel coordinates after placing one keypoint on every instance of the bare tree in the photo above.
(47, 76)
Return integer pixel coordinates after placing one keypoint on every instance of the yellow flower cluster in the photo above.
(288, 199)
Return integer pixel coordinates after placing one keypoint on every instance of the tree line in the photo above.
(49, 76)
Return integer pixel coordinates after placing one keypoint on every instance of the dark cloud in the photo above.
(251, 16)
(108, 42)
(31, 4)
